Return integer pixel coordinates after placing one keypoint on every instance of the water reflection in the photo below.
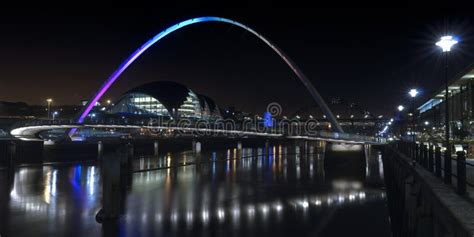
(231, 192)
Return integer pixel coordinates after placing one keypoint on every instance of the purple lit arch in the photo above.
(314, 93)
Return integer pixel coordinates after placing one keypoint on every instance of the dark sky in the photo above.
(367, 56)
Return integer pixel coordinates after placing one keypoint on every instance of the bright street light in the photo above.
(413, 93)
(446, 42)
(400, 108)
(427, 123)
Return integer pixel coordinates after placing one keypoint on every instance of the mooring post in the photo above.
(417, 153)
(431, 158)
(461, 172)
(438, 161)
(447, 166)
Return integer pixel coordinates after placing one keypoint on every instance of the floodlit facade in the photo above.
(166, 99)
(461, 107)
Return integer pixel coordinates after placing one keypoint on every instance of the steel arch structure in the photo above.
(115, 75)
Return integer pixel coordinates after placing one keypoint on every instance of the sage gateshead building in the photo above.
(166, 99)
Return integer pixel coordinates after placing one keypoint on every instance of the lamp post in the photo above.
(413, 93)
(49, 101)
(445, 43)
(400, 108)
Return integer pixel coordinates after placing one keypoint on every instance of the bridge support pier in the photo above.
(116, 171)
(110, 167)
(156, 145)
(100, 150)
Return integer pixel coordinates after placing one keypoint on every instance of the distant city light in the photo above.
(427, 123)
(400, 108)
(446, 42)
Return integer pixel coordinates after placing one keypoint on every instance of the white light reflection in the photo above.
(341, 198)
(174, 217)
(304, 204)
(205, 216)
(351, 197)
(189, 217)
(264, 209)
(251, 211)
(53, 183)
(221, 214)
(91, 180)
(278, 207)
(236, 214)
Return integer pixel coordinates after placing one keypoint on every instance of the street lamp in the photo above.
(413, 93)
(49, 101)
(400, 108)
(445, 43)
(55, 113)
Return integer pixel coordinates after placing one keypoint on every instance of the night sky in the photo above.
(366, 56)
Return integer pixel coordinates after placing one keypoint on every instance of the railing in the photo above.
(430, 157)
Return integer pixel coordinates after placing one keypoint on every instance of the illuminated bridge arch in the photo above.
(314, 93)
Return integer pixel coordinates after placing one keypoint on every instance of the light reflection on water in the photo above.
(219, 193)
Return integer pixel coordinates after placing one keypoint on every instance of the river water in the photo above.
(220, 193)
